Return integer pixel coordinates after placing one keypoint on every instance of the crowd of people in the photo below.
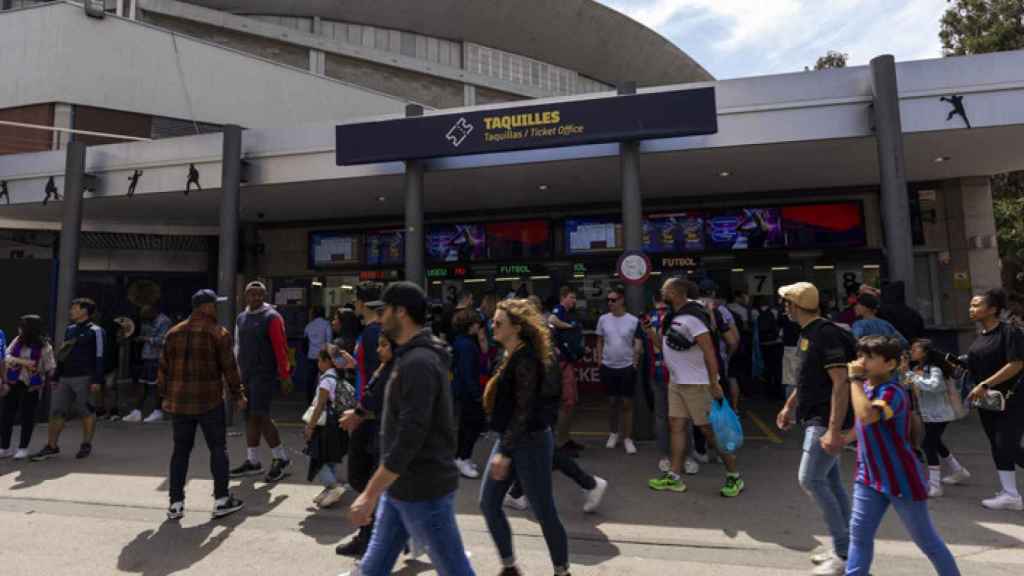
(402, 394)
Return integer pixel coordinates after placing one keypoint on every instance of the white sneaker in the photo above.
(822, 557)
(613, 440)
(155, 416)
(595, 496)
(354, 572)
(21, 454)
(691, 467)
(834, 566)
(133, 416)
(702, 458)
(520, 503)
(319, 497)
(417, 548)
(665, 465)
(935, 491)
(332, 497)
(629, 446)
(957, 477)
(467, 469)
(1004, 501)
(6, 453)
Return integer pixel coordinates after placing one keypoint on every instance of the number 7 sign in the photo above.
(759, 283)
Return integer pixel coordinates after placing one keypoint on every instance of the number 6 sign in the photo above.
(759, 283)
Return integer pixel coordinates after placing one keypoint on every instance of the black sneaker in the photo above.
(574, 445)
(356, 547)
(277, 470)
(176, 511)
(510, 571)
(45, 454)
(230, 506)
(247, 469)
(84, 451)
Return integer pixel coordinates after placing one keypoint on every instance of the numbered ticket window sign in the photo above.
(760, 283)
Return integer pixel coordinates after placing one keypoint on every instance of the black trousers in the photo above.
(471, 424)
(934, 448)
(215, 433)
(1004, 431)
(362, 455)
(772, 355)
(18, 398)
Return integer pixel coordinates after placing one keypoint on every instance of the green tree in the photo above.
(832, 59)
(977, 27)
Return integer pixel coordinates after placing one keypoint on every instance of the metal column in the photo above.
(227, 263)
(70, 233)
(899, 247)
(414, 232)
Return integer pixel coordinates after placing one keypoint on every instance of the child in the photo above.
(887, 471)
(327, 443)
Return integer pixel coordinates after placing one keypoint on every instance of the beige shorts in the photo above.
(691, 401)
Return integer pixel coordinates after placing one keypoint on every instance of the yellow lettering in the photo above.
(556, 117)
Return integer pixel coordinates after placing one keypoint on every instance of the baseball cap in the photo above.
(407, 295)
(206, 296)
(256, 285)
(869, 301)
(374, 304)
(802, 294)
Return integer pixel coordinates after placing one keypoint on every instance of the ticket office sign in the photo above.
(593, 121)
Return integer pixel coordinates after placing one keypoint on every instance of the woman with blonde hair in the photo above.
(521, 415)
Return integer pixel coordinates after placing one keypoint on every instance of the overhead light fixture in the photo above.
(436, 282)
(542, 187)
(941, 159)
(316, 284)
(543, 277)
(347, 287)
(780, 268)
(579, 275)
(871, 266)
(725, 173)
(824, 267)
(656, 273)
(507, 279)
(474, 281)
(381, 198)
(738, 270)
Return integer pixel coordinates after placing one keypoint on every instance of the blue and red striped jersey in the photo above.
(885, 458)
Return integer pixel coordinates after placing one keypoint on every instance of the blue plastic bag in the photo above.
(727, 427)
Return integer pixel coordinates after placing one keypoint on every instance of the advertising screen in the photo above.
(839, 225)
(385, 248)
(513, 240)
(588, 236)
(671, 233)
(745, 229)
(328, 249)
(456, 243)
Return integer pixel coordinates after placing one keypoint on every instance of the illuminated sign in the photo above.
(590, 121)
(679, 262)
(446, 272)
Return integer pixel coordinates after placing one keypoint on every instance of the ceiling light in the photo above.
(542, 187)
(347, 287)
(941, 159)
(725, 173)
(507, 279)
(780, 268)
(381, 198)
(737, 269)
(579, 275)
(824, 267)
(543, 277)
(316, 284)
(474, 281)
(436, 282)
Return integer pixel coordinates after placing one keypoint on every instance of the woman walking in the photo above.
(29, 366)
(995, 361)
(927, 377)
(525, 446)
(466, 388)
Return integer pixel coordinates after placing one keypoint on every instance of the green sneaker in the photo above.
(733, 486)
(668, 481)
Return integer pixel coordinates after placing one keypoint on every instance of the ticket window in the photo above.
(338, 291)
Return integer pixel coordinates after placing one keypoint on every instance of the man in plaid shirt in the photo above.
(197, 360)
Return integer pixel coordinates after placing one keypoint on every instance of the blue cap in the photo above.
(206, 296)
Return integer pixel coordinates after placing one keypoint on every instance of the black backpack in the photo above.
(569, 342)
(551, 385)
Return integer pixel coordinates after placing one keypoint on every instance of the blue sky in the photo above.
(734, 38)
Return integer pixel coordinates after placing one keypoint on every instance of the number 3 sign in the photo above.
(759, 283)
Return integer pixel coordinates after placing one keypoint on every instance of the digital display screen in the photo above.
(328, 249)
(385, 248)
(592, 236)
(745, 229)
(673, 233)
(837, 225)
(514, 240)
(456, 243)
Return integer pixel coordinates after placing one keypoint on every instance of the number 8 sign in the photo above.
(759, 283)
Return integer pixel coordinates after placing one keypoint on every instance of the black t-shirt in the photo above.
(822, 346)
(994, 349)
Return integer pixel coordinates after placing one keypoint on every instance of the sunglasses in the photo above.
(613, 299)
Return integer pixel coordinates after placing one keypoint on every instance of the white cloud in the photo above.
(749, 37)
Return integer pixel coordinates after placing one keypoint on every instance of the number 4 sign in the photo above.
(759, 283)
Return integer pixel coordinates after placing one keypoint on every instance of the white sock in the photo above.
(1008, 478)
(221, 501)
(252, 454)
(934, 475)
(280, 452)
(952, 463)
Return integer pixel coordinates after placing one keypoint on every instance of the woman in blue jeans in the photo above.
(888, 473)
(522, 419)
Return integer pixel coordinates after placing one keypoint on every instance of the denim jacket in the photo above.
(932, 394)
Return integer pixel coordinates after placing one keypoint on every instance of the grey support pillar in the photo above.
(899, 248)
(227, 263)
(70, 233)
(632, 207)
(414, 233)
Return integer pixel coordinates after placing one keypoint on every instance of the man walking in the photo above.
(79, 372)
(197, 360)
(819, 404)
(568, 336)
(263, 361)
(687, 342)
(318, 334)
(619, 347)
(413, 490)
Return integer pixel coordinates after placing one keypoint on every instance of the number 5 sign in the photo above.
(759, 283)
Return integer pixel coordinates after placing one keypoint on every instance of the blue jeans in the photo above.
(531, 466)
(819, 477)
(661, 431)
(431, 522)
(327, 476)
(868, 508)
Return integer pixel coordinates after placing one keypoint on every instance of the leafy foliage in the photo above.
(980, 26)
(832, 59)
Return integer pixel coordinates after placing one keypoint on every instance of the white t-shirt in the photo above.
(329, 382)
(686, 367)
(618, 333)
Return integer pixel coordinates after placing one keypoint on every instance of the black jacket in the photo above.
(905, 319)
(518, 408)
(417, 434)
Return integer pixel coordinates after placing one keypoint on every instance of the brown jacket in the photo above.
(197, 360)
